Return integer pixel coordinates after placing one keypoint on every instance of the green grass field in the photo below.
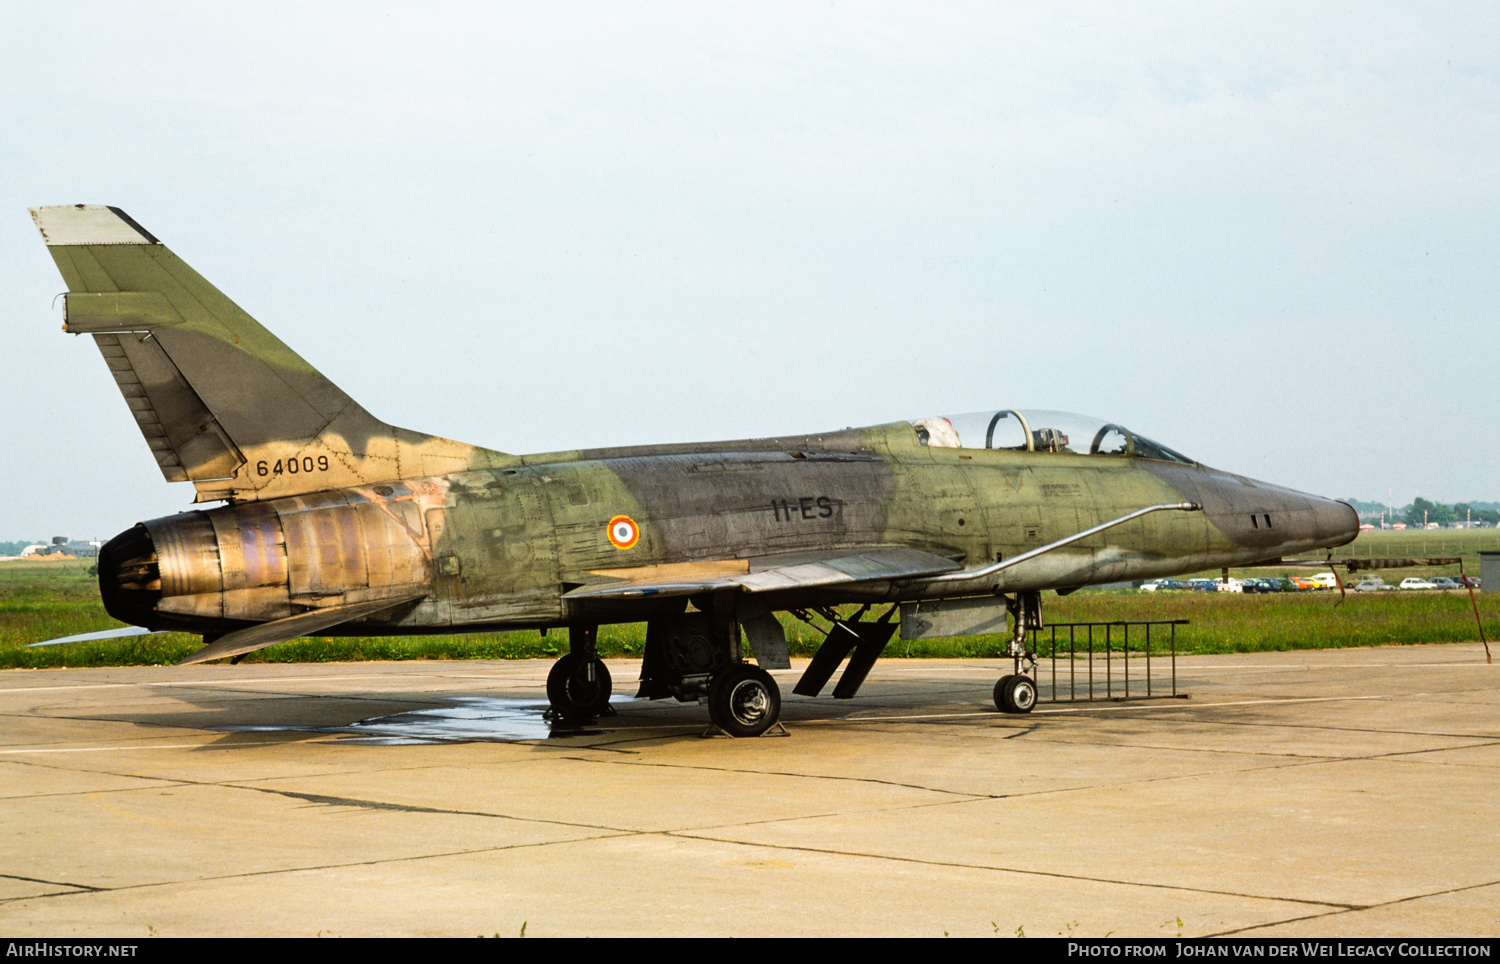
(1414, 545)
(45, 600)
(1409, 543)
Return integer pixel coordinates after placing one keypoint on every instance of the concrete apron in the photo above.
(1340, 792)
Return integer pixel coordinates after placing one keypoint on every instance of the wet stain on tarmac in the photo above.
(469, 719)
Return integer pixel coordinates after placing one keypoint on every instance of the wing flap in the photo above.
(869, 565)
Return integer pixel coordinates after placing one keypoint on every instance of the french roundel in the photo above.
(623, 532)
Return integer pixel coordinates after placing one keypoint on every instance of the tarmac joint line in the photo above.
(327, 800)
(84, 890)
(1339, 907)
(1352, 909)
(50, 883)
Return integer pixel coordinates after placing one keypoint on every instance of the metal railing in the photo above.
(1082, 647)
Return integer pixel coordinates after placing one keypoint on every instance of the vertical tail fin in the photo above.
(222, 402)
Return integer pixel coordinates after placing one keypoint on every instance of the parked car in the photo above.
(1443, 582)
(1202, 585)
(1412, 582)
(1371, 585)
(1469, 581)
(1325, 580)
(1300, 584)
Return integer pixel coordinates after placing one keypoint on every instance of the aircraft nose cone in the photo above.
(1336, 522)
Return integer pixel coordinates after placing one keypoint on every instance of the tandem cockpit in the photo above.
(1033, 430)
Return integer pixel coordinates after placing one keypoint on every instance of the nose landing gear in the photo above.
(1016, 692)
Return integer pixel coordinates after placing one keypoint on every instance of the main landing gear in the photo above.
(697, 658)
(694, 657)
(579, 685)
(1016, 692)
(744, 701)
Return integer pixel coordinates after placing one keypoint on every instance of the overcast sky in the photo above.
(1266, 238)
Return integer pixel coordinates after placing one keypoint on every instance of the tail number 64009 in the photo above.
(293, 465)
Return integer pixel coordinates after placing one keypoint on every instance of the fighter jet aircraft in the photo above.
(331, 521)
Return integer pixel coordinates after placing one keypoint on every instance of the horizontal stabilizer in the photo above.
(243, 641)
(850, 566)
(117, 633)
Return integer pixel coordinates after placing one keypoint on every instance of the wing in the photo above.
(765, 575)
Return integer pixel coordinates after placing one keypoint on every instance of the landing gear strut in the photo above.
(1016, 692)
(578, 685)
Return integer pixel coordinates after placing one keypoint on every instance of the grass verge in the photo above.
(46, 600)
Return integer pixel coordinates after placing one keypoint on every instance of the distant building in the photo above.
(63, 546)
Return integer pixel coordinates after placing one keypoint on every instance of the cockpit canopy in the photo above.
(1039, 431)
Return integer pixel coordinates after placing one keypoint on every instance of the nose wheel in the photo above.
(1015, 694)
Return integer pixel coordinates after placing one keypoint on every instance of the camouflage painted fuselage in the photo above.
(503, 547)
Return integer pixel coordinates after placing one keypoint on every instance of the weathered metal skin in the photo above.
(498, 548)
(216, 570)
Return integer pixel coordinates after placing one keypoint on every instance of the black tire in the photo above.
(572, 694)
(1019, 695)
(744, 701)
(1000, 694)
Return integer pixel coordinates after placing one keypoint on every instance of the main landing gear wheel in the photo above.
(576, 693)
(1015, 694)
(744, 701)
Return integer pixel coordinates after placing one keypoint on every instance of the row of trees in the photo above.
(1423, 510)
